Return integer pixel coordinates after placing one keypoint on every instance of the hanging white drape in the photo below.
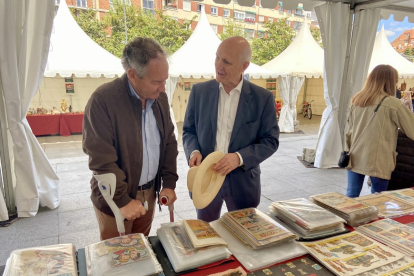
(4, 214)
(286, 117)
(362, 44)
(289, 87)
(334, 20)
(25, 28)
(169, 89)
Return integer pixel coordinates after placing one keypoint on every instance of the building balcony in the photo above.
(170, 6)
(250, 20)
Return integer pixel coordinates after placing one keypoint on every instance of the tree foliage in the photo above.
(408, 51)
(231, 28)
(170, 33)
(316, 33)
(277, 37)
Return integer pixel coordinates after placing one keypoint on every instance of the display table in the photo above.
(62, 124)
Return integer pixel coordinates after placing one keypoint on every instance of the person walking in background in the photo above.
(236, 117)
(372, 139)
(407, 100)
(127, 130)
(398, 92)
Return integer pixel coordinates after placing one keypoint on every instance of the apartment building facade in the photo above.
(404, 40)
(251, 19)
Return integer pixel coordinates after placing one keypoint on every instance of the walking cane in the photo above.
(164, 200)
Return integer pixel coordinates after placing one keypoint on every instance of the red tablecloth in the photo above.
(62, 124)
(44, 124)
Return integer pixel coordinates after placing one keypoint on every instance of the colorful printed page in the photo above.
(48, 260)
(202, 234)
(126, 249)
(402, 271)
(404, 194)
(256, 224)
(388, 206)
(391, 232)
(183, 242)
(238, 271)
(302, 266)
(340, 202)
(351, 254)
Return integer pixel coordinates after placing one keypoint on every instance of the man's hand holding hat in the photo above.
(228, 163)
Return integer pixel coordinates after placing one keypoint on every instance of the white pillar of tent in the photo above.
(169, 89)
(25, 28)
(334, 21)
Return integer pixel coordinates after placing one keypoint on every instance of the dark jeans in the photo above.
(356, 180)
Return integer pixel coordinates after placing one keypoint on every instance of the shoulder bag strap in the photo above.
(373, 114)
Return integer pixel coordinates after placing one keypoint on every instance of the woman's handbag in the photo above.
(344, 158)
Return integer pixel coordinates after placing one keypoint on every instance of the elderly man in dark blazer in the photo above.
(231, 115)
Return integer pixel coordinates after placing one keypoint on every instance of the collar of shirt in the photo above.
(148, 102)
(237, 88)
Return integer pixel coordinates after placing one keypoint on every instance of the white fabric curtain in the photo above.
(296, 83)
(286, 118)
(334, 21)
(169, 89)
(363, 38)
(25, 28)
(4, 214)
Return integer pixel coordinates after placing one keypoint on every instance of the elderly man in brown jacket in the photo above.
(127, 130)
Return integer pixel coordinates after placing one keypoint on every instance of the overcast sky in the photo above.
(394, 28)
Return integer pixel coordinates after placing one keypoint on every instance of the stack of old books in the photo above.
(306, 219)
(356, 254)
(255, 228)
(388, 204)
(256, 240)
(354, 212)
(123, 255)
(392, 233)
(57, 259)
(190, 244)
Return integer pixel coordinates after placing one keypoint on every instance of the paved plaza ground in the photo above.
(283, 177)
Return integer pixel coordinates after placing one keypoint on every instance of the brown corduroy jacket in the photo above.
(112, 138)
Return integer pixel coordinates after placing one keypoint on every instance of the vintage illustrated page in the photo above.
(351, 254)
(257, 225)
(126, 249)
(50, 260)
(391, 232)
(405, 194)
(388, 206)
(340, 202)
(202, 234)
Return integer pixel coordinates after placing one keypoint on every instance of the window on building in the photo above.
(81, 3)
(187, 5)
(250, 17)
(214, 27)
(249, 33)
(260, 33)
(270, 19)
(288, 23)
(239, 15)
(213, 10)
(261, 18)
(280, 8)
(148, 6)
(199, 7)
(235, 1)
(57, 2)
(226, 13)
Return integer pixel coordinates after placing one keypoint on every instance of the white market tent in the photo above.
(384, 53)
(196, 57)
(303, 58)
(73, 52)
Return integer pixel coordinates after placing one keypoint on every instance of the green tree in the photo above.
(408, 51)
(231, 28)
(277, 37)
(170, 33)
(316, 33)
(88, 22)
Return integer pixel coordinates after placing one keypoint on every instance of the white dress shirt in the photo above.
(226, 115)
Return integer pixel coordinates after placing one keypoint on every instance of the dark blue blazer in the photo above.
(255, 134)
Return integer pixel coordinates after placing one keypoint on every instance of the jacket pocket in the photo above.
(254, 172)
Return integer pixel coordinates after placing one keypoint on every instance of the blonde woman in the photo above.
(373, 149)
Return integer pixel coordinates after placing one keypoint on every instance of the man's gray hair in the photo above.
(138, 53)
(245, 55)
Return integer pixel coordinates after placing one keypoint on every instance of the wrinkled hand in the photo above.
(195, 160)
(170, 193)
(229, 162)
(133, 210)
